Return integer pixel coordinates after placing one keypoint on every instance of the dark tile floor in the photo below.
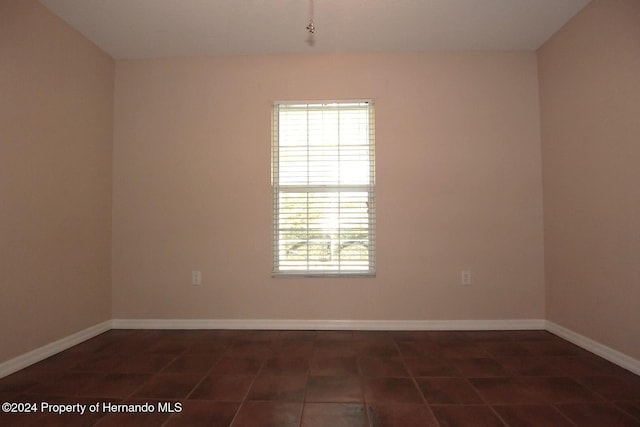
(324, 378)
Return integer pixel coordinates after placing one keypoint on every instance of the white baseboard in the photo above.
(34, 356)
(41, 353)
(595, 347)
(288, 324)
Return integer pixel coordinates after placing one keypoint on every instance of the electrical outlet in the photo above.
(465, 277)
(196, 278)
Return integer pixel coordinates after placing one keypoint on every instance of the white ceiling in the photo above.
(163, 28)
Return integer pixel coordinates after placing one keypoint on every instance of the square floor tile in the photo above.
(377, 336)
(232, 388)
(18, 419)
(334, 336)
(523, 378)
(532, 416)
(268, 414)
(143, 363)
(334, 415)
(264, 336)
(237, 366)
(400, 415)
(579, 366)
(419, 349)
(334, 366)
(598, 415)
(480, 367)
(559, 390)
(191, 363)
(431, 367)
(59, 362)
(339, 348)
(293, 348)
(202, 413)
(378, 348)
(553, 347)
(382, 367)
(249, 349)
(295, 335)
(529, 335)
(496, 391)
(278, 387)
(115, 385)
(410, 335)
(169, 386)
(98, 363)
(215, 348)
(529, 366)
(605, 367)
(285, 366)
(448, 390)
(132, 419)
(484, 336)
(391, 390)
(69, 384)
(334, 389)
(169, 346)
(630, 407)
(465, 416)
(62, 420)
(463, 350)
(613, 387)
(505, 349)
(23, 380)
(446, 337)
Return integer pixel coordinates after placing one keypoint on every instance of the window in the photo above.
(323, 179)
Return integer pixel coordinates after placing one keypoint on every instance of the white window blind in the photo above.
(323, 181)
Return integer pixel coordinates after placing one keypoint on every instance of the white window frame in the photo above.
(359, 191)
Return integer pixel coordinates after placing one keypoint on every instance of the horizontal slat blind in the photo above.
(323, 180)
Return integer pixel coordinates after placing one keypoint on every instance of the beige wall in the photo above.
(590, 110)
(56, 128)
(458, 172)
(458, 187)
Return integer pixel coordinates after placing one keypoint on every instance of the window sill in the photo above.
(305, 275)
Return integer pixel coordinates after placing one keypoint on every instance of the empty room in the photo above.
(320, 213)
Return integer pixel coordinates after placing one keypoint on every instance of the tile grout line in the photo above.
(568, 372)
(306, 383)
(565, 416)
